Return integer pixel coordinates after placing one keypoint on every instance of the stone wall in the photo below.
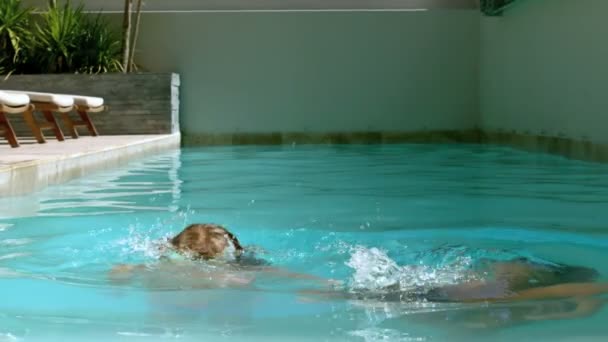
(146, 103)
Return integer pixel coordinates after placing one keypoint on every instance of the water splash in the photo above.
(150, 241)
(379, 334)
(375, 271)
(143, 243)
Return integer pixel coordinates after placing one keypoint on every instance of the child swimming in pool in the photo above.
(226, 263)
(205, 256)
(229, 264)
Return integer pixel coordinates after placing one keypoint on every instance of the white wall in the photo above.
(544, 69)
(319, 71)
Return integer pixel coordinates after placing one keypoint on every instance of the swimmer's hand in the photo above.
(283, 273)
(123, 273)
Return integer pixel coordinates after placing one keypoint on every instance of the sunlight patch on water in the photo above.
(8, 337)
(16, 242)
(8, 273)
(13, 256)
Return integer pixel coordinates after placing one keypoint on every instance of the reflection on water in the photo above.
(371, 217)
(149, 184)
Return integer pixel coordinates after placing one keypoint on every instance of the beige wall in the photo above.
(318, 71)
(544, 69)
(206, 5)
(315, 71)
(539, 69)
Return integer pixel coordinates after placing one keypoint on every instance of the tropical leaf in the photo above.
(99, 47)
(64, 39)
(69, 40)
(58, 35)
(15, 34)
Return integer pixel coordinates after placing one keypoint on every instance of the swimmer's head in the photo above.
(206, 241)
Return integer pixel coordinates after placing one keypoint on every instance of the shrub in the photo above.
(64, 40)
(15, 35)
(99, 48)
(57, 38)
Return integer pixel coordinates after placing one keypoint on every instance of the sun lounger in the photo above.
(48, 103)
(11, 104)
(84, 106)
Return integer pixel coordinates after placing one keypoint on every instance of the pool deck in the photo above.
(32, 167)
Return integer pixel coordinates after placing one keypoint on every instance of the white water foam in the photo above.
(375, 271)
(378, 334)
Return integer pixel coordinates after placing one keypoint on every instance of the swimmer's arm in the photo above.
(123, 273)
(561, 291)
(308, 296)
(585, 306)
(283, 273)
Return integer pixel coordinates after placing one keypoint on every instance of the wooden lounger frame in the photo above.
(5, 125)
(36, 127)
(47, 109)
(85, 120)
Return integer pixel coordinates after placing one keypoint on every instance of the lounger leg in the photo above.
(28, 115)
(9, 132)
(69, 124)
(85, 117)
(51, 119)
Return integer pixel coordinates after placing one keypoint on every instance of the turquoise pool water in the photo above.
(366, 215)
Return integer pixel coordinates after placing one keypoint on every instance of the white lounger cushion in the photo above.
(56, 99)
(62, 100)
(13, 100)
(87, 101)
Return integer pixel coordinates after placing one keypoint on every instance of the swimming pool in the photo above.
(366, 215)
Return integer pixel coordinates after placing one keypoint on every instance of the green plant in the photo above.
(99, 48)
(64, 39)
(494, 7)
(2, 67)
(69, 41)
(57, 37)
(14, 34)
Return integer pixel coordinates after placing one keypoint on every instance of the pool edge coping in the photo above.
(24, 177)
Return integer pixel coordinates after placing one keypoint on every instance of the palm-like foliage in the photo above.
(69, 41)
(2, 65)
(58, 36)
(494, 7)
(14, 34)
(63, 40)
(99, 48)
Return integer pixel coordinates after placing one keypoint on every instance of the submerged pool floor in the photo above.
(366, 216)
